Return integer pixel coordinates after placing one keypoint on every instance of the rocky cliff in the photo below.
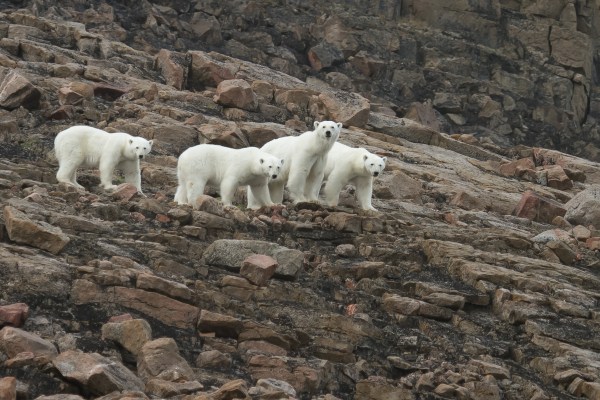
(477, 279)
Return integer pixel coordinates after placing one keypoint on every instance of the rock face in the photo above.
(477, 279)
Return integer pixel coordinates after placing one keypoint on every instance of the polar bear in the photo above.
(356, 166)
(305, 157)
(91, 147)
(210, 164)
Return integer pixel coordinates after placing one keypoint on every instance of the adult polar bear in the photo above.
(356, 166)
(227, 168)
(90, 147)
(305, 157)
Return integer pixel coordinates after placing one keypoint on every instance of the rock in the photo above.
(410, 307)
(324, 55)
(539, 208)
(22, 229)
(378, 389)
(14, 341)
(8, 388)
(344, 222)
(231, 254)
(14, 314)
(221, 325)
(583, 208)
(258, 269)
(214, 359)
(347, 108)
(165, 389)
(173, 67)
(236, 93)
(17, 91)
(96, 373)
(170, 288)
(273, 387)
(124, 192)
(160, 359)
(131, 334)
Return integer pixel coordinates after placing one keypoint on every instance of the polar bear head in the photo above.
(328, 130)
(138, 147)
(374, 164)
(270, 166)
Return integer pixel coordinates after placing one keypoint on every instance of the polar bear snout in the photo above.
(328, 134)
(141, 156)
(376, 173)
(274, 176)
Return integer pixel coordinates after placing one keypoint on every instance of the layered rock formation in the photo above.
(478, 278)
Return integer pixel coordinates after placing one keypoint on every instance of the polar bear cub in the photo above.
(91, 147)
(305, 157)
(209, 164)
(356, 166)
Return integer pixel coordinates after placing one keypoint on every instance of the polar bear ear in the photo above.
(365, 157)
(130, 141)
(384, 159)
(151, 142)
(316, 124)
(262, 160)
(282, 160)
(339, 124)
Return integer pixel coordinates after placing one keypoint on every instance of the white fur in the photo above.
(356, 166)
(209, 164)
(305, 157)
(94, 148)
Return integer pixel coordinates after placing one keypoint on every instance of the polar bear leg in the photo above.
(313, 181)
(333, 187)
(252, 202)
(228, 188)
(364, 191)
(261, 196)
(276, 191)
(107, 167)
(181, 194)
(194, 189)
(131, 170)
(67, 172)
(297, 182)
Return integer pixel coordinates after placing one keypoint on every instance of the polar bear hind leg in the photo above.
(194, 189)
(261, 196)
(67, 172)
(227, 189)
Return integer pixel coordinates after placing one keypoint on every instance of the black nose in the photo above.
(375, 173)
(274, 176)
(328, 134)
(141, 156)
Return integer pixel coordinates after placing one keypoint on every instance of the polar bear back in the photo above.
(348, 158)
(84, 141)
(214, 163)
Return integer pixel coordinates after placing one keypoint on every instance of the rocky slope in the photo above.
(477, 279)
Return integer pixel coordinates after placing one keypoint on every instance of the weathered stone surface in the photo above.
(258, 268)
(131, 334)
(14, 314)
(231, 254)
(538, 208)
(160, 359)
(22, 229)
(96, 373)
(14, 341)
(236, 93)
(583, 208)
(8, 388)
(17, 91)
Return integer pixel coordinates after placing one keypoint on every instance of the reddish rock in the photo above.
(96, 373)
(173, 67)
(258, 269)
(517, 167)
(557, 178)
(344, 222)
(14, 341)
(14, 314)
(8, 388)
(38, 234)
(593, 243)
(208, 70)
(350, 109)
(167, 389)
(75, 93)
(17, 91)
(538, 208)
(124, 192)
(222, 325)
(160, 359)
(236, 93)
